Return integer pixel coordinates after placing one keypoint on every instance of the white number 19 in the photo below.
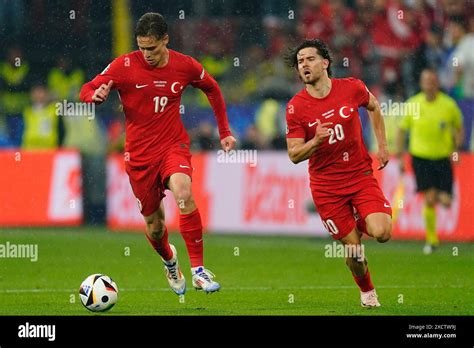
(160, 102)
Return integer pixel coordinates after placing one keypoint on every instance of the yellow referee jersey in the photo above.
(431, 125)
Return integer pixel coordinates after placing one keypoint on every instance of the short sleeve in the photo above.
(362, 94)
(293, 127)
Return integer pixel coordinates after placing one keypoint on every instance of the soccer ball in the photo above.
(98, 293)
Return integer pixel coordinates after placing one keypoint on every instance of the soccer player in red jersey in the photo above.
(150, 82)
(323, 125)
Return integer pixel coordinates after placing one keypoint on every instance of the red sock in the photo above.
(364, 282)
(190, 227)
(162, 246)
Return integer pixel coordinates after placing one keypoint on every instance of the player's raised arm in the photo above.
(93, 93)
(209, 86)
(378, 125)
(299, 150)
(97, 91)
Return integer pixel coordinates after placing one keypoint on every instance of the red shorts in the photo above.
(337, 208)
(149, 182)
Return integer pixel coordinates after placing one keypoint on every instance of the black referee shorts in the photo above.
(433, 174)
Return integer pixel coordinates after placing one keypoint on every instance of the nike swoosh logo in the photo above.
(198, 240)
(140, 86)
(312, 124)
(181, 166)
(386, 205)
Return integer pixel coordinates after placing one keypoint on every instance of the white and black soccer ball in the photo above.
(98, 293)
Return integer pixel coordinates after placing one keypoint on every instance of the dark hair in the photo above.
(430, 70)
(322, 49)
(459, 20)
(151, 24)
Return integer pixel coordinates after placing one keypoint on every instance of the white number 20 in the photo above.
(160, 102)
(336, 133)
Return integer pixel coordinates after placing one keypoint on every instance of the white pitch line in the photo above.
(249, 288)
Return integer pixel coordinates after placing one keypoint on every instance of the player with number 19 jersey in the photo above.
(156, 140)
(341, 169)
(151, 101)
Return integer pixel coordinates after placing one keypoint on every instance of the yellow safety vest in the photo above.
(11, 101)
(63, 86)
(41, 128)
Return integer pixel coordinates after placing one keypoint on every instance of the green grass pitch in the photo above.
(260, 275)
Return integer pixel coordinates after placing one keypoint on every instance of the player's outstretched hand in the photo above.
(228, 143)
(100, 95)
(322, 132)
(382, 156)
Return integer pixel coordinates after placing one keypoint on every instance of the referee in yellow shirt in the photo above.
(435, 134)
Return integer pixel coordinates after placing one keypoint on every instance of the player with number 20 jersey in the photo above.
(323, 125)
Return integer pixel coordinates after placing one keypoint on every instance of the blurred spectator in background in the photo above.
(397, 32)
(253, 140)
(252, 71)
(464, 69)
(453, 35)
(83, 133)
(14, 92)
(314, 20)
(204, 137)
(65, 81)
(268, 119)
(342, 20)
(385, 42)
(215, 61)
(393, 113)
(86, 135)
(433, 50)
(275, 35)
(365, 61)
(41, 123)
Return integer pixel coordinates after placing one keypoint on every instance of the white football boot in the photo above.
(173, 273)
(203, 280)
(428, 249)
(369, 299)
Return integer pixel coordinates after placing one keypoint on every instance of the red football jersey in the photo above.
(343, 155)
(151, 98)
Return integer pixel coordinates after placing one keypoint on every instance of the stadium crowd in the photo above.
(386, 43)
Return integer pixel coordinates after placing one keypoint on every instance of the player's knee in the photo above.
(445, 201)
(382, 232)
(183, 195)
(447, 204)
(430, 198)
(185, 200)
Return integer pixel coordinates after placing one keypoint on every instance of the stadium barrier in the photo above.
(272, 196)
(40, 188)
